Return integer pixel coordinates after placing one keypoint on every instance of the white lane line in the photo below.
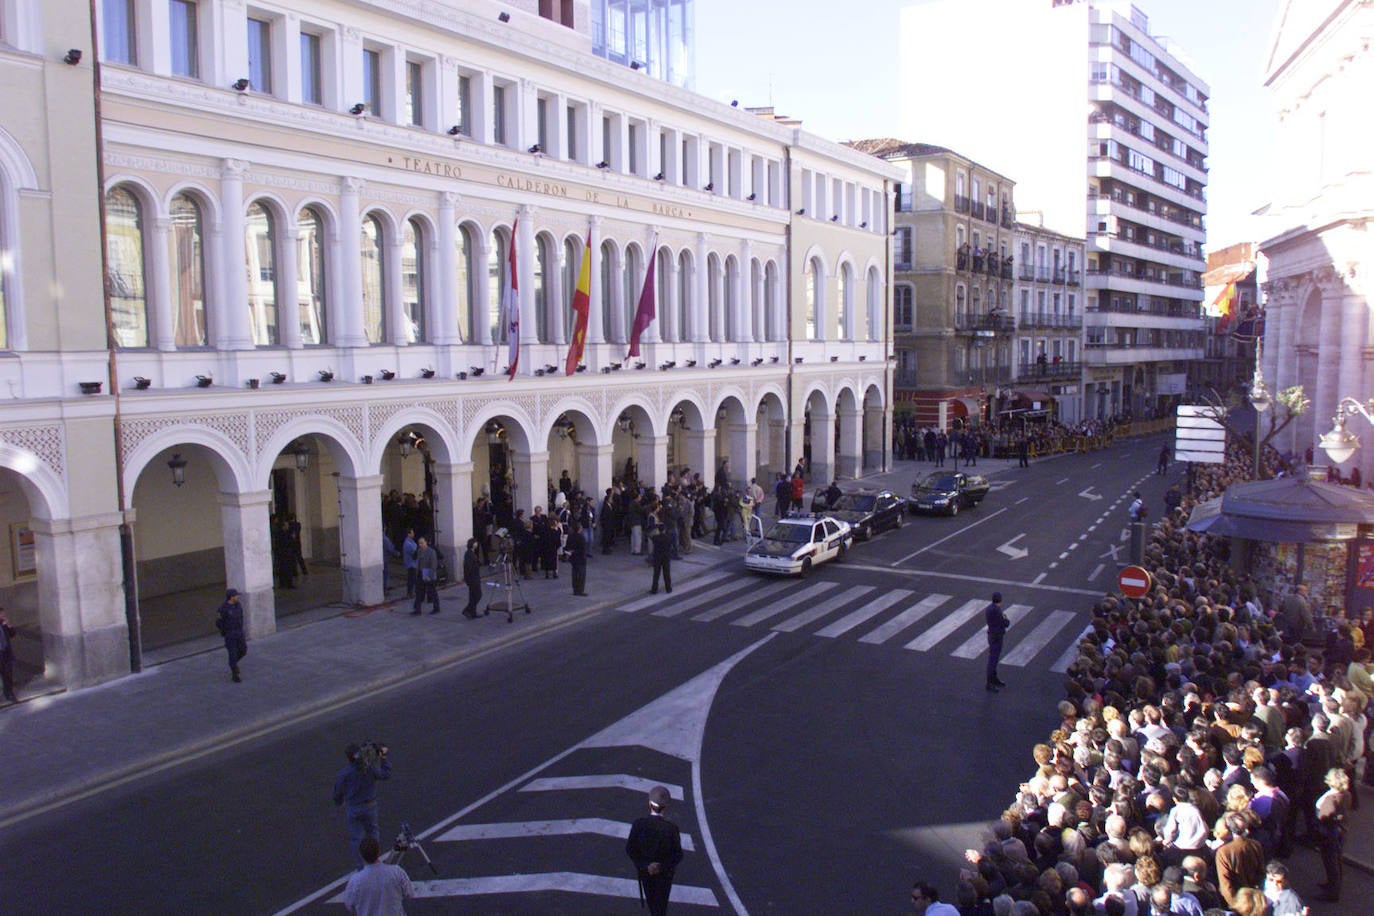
(1064, 556)
(1096, 466)
(559, 881)
(903, 620)
(966, 612)
(811, 615)
(981, 580)
(1096, 571)
(651, 600)
(1038, 639)
(572, 826)
(1038, 579)
(750, 597)
(977, 644)
(600, 781)
(986, 518)
(1060, 483)
(763, 613)
(1022, 500)
(678, 607)
(1062, 663)
(867, 612)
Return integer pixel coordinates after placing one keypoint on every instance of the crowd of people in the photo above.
(1207, 733)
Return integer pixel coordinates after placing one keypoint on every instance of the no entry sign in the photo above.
(1134, 582)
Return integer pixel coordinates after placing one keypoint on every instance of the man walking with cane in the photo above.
(655, 847)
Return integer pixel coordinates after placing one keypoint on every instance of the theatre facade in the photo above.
(314, 215)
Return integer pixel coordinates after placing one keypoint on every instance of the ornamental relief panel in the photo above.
(233, 426)
(46, 442)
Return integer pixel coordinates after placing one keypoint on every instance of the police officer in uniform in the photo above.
(655, 847)
(997, 623)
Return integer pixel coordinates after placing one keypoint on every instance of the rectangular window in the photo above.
(901, 307)
(312, 92)
(634, 149)
(902, 251)
(464, 124)
(372, 81)
(118, 44)
(260, 55)
(498, 115)
(182, 32)
(571, 140)
(541, 114)
(415, 93)
(606, 145)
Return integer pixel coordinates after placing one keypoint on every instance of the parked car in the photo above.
(867, 511)
(947, 493)
(797, 543)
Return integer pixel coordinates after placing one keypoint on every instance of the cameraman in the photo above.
(355, 789)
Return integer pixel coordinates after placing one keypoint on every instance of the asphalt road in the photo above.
(827, 741)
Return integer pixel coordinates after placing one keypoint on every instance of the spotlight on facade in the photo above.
(536, 149)
(659, 177)
(835, 218)
(615, 367)
(141, 383)
(241, 84)
(634, 65)
(581, 367)
(800, 360)
(178, 466)
(757, 361)
(801, 212)
(752, 197)
(691, 364)
(773, 359)
(90, 387)
(326, 375)
(834, 359)
(863, 225)
(72, 57)
(862, 357)
(387, 374)
(476, 371)
(277, 377)
(426, 372)
(710, 186)
(462, 376)
(734, 360)
(357, 109)
(639, 365)
(455, 130)
(603, 164)
(204, 381)
(714, 363)
(734, 103)
(503, 17)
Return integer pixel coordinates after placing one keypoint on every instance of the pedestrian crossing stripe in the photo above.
(677, 607)
(749, 597)
(865, 613)
(773, 610)
(928, 640)
(560, 881)
(573, 826)
(811, 615)
(977, 644)
(1038, 638)
(651, 600)
(637, 784)
(905, 619)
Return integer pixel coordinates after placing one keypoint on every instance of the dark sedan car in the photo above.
(947, 493)
(866, 511)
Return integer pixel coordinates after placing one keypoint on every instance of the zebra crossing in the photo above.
(872, 615)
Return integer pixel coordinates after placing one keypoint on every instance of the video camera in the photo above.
(367, 753)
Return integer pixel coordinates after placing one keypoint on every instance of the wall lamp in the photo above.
(756, 362)
(503, 17)
(141, 383)
(326, 375)
(659, 177)
(357, 109)
(1340, 443)
(476, 371)
(178, 466)
(536, 149)
(603, 164)
(455, 130)
(72, 57)
(301, 452)
(277, 377)
(241, 84)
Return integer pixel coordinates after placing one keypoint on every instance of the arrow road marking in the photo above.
(1016, 553)
(1087, 493)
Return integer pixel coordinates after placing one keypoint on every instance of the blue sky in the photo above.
(834, 65)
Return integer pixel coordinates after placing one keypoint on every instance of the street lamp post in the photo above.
(1340, 443)
(1260, 400)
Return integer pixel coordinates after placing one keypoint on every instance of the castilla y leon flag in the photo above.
(581, 307)
(645, 313)
(1225, 307)
(510, 304)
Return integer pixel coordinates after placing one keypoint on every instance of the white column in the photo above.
(349, 311)
(481, 288)
(234, 333)
(524, 263)
(445, 331)
(360, 538)
(670, 308)
(652, 459)
(556, 298)
(556, 112)
(246, 521)
(1328, 358)
(160, 286)
(850, 457)
(616, 328)
(701, 451)
(743, 295)
(531, 480)
(453, 510)
(699, 313)
(392, 288)
(876, 423)
(653, 333)
(595, 320)
(594, 469)
(1354, 337)
(80, 599)
(288, 292)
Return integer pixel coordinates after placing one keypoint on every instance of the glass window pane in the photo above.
(311, 91)
(188, 273)
(310, 273)
(124, 268)
(415, 87)
(810, 333)
(182, 27)
(260, 245)
(260, 55)
(372, 81)
(117, 43)
(496, 269)
(413, 282)
(462, 285)
(541, 292)
(374, 322)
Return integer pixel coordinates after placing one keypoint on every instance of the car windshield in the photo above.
(795, 534)
(855, 502)
(940, 482)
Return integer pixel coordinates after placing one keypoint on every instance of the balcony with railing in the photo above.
(1075, 277)
(1008, 218)
(1149, 276)
(1056, 368)
(979, 211)
(1026, 273)
(1031, 318)
(961, 203)
(1060, 274)
(991, 322)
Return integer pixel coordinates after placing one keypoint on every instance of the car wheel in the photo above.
(843, 552)
(806, 567)
(953, 508)
(862, 534)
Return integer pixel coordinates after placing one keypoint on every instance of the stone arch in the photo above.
(770, 422)
(637, 442)
(875, 429)
(818, 434)
(734, 431)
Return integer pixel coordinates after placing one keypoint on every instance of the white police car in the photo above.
(795, 544)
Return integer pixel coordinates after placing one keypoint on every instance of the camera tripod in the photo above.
(405, 842)
(508, 581)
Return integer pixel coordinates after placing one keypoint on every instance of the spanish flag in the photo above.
(1224, 307)
(581, 308)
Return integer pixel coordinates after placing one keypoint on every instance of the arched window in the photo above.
(844, 304)
(632, 278)
(373, 276)
(812, 330)
(413, 279)
(496, 272)
(685, 299)
(541, 291)
(124, 270)
(187, 260)
(310, 277)
(260, 249)
(465, 262)
(875, 305)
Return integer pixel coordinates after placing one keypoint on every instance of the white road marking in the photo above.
(677, 607)
(812, 614)
(573, 826)
(1038, 639)
(977, 644)
(903, 620)
(1096, 571)
(564, 881)
(1009, 548)
(811, 591)
(865, 613)
(638, 784)
(1087, 493)
(749, 597)
(1062, 663)
(651, 600)
(1060, 483)
(981, 580)
(986, 518)
(966, 612)
(1038, 579)
(1096, 466)
(1112, 550)
(1023, 500)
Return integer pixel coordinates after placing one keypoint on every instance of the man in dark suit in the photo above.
(472, 578)
(997, 624)
(655, 846)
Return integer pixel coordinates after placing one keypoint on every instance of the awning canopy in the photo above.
(1289, 510)
(1031, 396)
